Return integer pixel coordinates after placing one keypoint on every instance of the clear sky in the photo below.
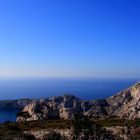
(70, 38)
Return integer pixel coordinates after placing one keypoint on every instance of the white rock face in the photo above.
(65, 113)
(135, 91)
(53, 108)
(126, 103)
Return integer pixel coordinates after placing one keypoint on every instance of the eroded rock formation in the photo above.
(124, 104)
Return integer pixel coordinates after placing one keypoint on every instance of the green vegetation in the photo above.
(50, 124)
(11, 131)
(87, 127)
(15, 131)
(54, 136)
(108, 122)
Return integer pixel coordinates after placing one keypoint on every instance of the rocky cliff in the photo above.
(63, 107)
(123, 104)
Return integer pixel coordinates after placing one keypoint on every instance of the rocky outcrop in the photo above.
(63, 107)
(124, 104)
(52, 108)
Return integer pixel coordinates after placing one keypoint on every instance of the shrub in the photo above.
(54, 136)
(85, 129)
(29, 137)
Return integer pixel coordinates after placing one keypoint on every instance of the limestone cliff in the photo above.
(126, 103)
(63, 107)
(123, 104)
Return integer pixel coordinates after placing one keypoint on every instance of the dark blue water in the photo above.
(8, 115)
(41, 87)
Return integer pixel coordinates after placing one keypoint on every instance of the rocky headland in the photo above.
(124, 104)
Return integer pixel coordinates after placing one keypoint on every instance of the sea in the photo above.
(84, 88)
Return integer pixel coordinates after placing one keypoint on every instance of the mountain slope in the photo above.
(126, 103)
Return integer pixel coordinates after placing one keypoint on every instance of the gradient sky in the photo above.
(70, 38)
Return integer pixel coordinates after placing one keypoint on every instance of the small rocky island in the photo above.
(124, 104)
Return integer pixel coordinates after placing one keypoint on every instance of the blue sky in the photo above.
(70, 38)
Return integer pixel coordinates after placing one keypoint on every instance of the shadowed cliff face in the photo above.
(123, 104)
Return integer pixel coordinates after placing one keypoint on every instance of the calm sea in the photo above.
(15, 88)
